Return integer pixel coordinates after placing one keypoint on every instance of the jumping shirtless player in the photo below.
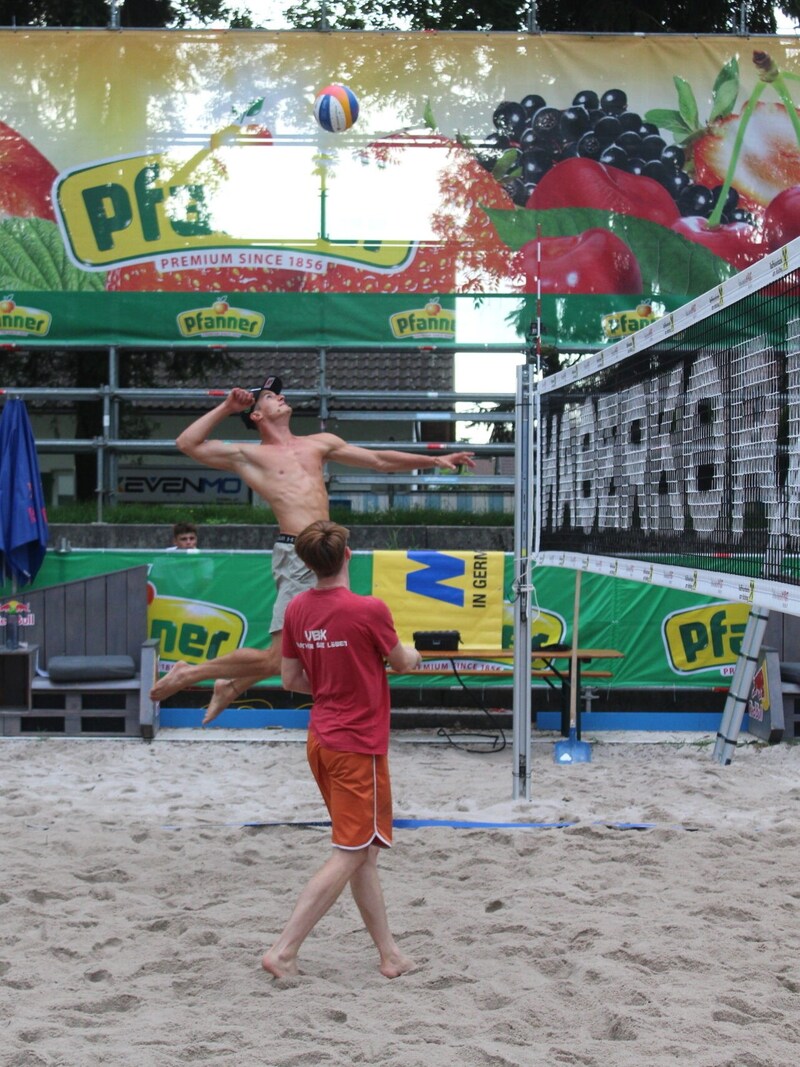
(287, 472)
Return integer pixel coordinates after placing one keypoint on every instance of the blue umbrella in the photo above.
(23, 520)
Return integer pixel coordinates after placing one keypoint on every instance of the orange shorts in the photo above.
(357, 793)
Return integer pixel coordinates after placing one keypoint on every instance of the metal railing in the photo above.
(109, 446)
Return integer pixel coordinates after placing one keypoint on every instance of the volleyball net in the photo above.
(673, 457)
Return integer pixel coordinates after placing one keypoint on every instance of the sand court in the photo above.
(135, 903)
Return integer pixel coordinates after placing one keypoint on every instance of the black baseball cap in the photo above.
(272, 384)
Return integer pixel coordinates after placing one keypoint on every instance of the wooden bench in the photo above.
(104, 706)
(104, 615)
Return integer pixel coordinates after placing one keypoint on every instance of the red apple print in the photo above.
(577, 182)
(595, 261)
(737, 242)
(256, 134)
(782, 219)
(26, 178)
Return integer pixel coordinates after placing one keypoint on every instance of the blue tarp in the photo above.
(23, 519)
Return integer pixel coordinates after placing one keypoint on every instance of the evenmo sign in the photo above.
(159, 484)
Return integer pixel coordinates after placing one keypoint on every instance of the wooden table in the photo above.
(557, 677)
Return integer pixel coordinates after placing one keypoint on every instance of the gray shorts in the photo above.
(291, 577)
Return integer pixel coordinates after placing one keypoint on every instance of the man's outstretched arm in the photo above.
(391, 462)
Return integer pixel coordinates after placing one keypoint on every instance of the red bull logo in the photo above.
(20, 610)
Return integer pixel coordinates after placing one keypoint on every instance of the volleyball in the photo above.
(336, 108)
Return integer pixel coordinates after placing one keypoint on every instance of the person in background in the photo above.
(184, 537)
(335, 645)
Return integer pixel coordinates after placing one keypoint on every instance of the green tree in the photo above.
(132, 13)
(408, 14)
(553, 16)
(677, 16)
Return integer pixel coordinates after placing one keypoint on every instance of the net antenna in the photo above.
(673, 456)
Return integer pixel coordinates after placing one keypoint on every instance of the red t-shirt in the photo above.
(341, 640)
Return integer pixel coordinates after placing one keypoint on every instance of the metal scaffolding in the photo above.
(419, 406)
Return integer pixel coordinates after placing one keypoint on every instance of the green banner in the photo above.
(181, 187)
(204, 604)
(153, 319)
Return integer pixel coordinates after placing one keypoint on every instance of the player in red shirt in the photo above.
(335, 645)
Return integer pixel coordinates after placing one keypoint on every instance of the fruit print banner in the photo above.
(175, 188)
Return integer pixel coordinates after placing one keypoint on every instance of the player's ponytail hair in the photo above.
(321, 546)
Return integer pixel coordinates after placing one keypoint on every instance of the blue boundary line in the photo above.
(237, 718)
(456, 824)
(297, 718)
(469, 824)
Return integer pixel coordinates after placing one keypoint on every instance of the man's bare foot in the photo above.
(277, 967)
(177, 677)
(395, 965)
(225, 690)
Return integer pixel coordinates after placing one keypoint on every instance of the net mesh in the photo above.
(680, 446)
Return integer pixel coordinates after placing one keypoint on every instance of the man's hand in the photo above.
(194, 440)
(239, 400)
(404, 658)
(453, 460)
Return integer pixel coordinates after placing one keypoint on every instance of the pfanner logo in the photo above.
(23, 321)
(220, 320)
(547, 628)
(705, 639)
(193, 630)
(624, 323)
(433, 322)
(164, 207)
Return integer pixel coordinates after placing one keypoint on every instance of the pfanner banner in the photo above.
(177, 188)
(204, 604)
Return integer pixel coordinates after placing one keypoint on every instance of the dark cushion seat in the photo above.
(90, 668)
